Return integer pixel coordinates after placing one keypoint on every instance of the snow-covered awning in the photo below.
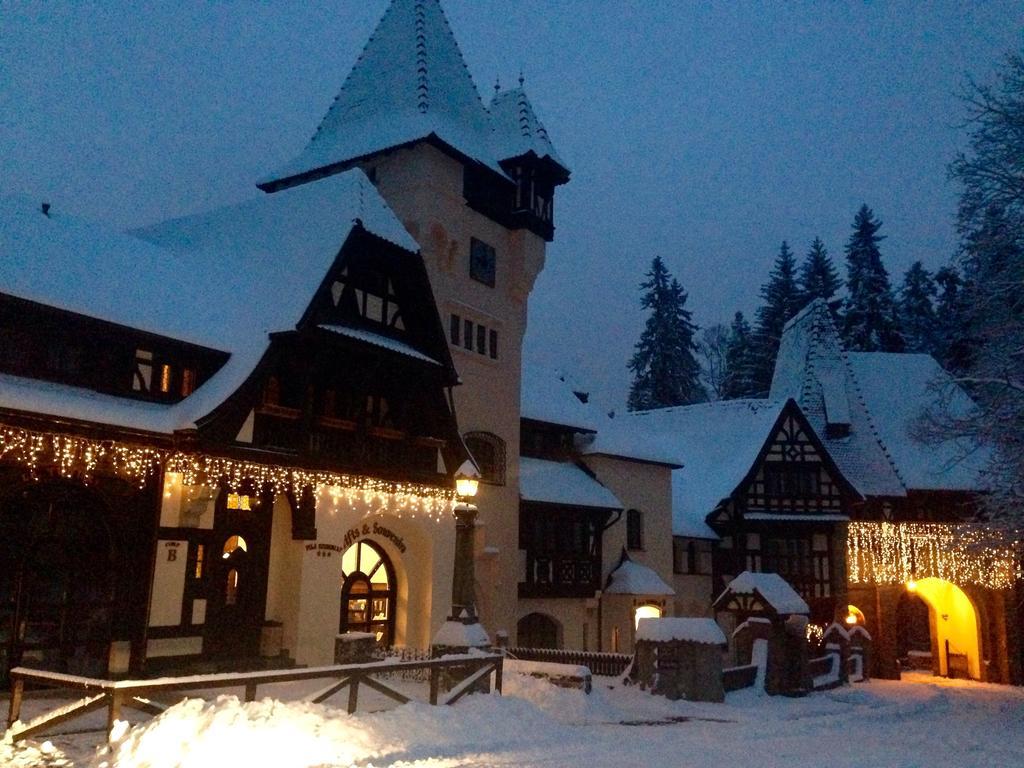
(632, 578)
(556, 482)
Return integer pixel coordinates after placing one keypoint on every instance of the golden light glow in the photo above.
(239, 501)
(912, 586)
(899, 553)
(646, 612)
(851, 619)
(466, 487)
(80, 458)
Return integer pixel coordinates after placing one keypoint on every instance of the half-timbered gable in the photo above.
(227, 378)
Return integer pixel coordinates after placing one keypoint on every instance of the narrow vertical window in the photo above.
(142, 377)
(165, 378)
(634, 529)
(494, 345)
(467, 335)
(481, 340)
(200, 554)
(455, 330)
(188, 381)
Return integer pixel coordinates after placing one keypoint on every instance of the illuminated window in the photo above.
(368, 592)
(165, 378)
(854, 615)
(239, 501)
(232, 544)
(188, 381)
(200, 553)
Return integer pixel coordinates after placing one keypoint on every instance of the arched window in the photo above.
(488, 451)
(368, 592)
(537, 630)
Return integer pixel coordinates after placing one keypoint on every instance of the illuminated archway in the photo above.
(646, 612)
(952, 618)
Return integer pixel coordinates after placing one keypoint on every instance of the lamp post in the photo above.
(462, 630)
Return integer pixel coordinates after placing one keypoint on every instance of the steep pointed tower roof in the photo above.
(814, 369)
(517, 131)
(409, 83)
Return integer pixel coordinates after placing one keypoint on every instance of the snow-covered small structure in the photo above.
(761, 594)
(680, 658)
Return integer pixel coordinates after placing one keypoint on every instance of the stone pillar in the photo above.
(885, 661)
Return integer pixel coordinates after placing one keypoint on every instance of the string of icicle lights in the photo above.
(897, 553)
(79, 457)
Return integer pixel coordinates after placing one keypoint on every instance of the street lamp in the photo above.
(462, 630)
(467, 481)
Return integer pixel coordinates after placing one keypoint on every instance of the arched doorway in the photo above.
(645, 612)
(57, 580)
(537, 630)
(952, 621)
(368, 592)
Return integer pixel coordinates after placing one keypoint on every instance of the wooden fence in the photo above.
(115, 695)
(607, 664)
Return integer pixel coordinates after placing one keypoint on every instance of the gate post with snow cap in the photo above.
(680, 658)
(767, 596)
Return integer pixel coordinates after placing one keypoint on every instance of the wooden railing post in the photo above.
(250, 691)
(353, 693)
(14, 707)
(114, 701)
(435, 680)
(498, 664)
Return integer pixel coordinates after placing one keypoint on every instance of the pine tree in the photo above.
(917, 310)
(818, 276)
(953, 345)
(782, 299)
(738, 380)
(869, 322)
(665, 370)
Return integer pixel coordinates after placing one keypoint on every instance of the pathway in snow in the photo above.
(921, 721)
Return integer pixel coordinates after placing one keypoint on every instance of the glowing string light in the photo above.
(901, 553)
(77, 457)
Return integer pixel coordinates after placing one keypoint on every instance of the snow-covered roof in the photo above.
(902, 390)
(378, 340)
(694, 630)
(517, 131)
(626, 439)
(881, 397)
(202, 279)
(632, 578)
(813, 368)
(82, 266)
(556, 482)
(717, 444)
(549, 395)
(772, 588)
(409, 82)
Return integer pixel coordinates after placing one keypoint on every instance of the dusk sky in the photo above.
(704, 133)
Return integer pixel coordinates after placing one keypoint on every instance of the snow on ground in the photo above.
(921, 721)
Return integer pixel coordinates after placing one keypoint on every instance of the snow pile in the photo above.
(201, 734)
(31, 755)
(549, 668)
(694, 630)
